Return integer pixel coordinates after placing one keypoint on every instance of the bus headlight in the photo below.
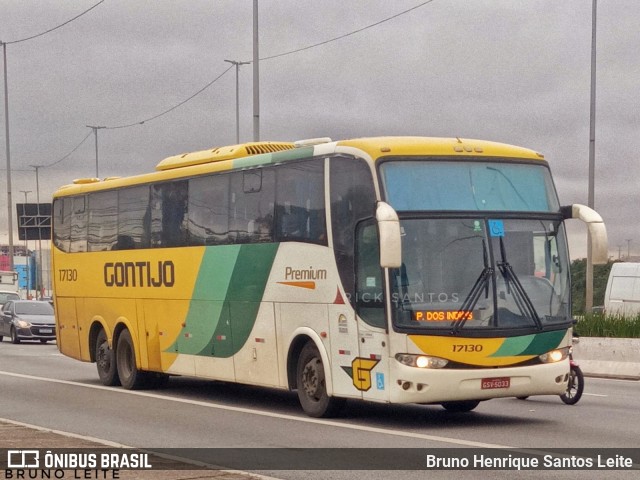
(421, 361)
(554, 356)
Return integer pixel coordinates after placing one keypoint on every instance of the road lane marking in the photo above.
(106, 443)
(109, 443)
(332, 423)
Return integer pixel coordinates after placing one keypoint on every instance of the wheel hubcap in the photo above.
(310, 378)
(104, 358)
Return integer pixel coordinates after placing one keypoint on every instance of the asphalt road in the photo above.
(40, 387)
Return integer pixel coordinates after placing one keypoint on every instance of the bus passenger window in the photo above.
(103, 220)
(300, 203)
(209, 210)
(62, 224)
(252, 203)
(133, 215)
(78, 239)
(168, 208)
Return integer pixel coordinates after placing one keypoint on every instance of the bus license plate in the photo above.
(498, 382)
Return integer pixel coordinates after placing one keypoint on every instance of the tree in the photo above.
(578, 284)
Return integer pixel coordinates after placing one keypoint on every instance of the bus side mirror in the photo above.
(595, 228)
(389, 231)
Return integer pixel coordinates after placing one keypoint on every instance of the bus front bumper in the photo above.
(416, 385)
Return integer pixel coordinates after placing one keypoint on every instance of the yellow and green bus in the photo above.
(390, 269)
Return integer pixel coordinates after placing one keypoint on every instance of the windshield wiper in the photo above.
(472, 298)
(520, 296)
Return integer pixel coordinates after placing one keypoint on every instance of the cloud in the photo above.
(516, 72)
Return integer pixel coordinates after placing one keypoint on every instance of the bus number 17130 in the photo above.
(68, 275)
(467, 348)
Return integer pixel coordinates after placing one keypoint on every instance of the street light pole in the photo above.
(592, 154)
(256, 76)
(95, 133)
(26, 243)
(237, 64)
(8, 149)
(39, 277)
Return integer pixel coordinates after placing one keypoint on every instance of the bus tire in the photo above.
(130, 376)
(460, 406)
(311, 385)
(106, 361)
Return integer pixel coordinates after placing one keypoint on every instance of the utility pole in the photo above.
(39, 276)
(27, 257)
(237, 64)
(628, 249)
(95, 133)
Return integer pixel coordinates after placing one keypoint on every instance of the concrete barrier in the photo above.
(609, 357)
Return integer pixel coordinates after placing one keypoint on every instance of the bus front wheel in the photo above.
(105, 361)
(311, 384)
(131, 377)
(460, 406)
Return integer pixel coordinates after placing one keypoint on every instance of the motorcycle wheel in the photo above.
(575, 386)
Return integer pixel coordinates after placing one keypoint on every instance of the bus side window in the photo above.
(103, 220)
(134, 215)
(252, 201)
(300, 203)
(168, 206)
(78, 237)
(352, 200)
(369, 292)
(62, 223)
(209, 210)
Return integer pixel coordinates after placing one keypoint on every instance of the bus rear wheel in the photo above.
(105, 361)
(311, 384)
(130, 376)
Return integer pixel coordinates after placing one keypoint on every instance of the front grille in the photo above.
(43, 330)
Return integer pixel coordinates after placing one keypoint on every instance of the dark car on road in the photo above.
(27, 320)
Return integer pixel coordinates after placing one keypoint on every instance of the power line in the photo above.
(174, 107)
(57, 161)
(269, 58)
(347, 34)
(70, 153)
(57, 27)
(141, 122)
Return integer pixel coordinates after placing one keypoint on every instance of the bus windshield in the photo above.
(470, 185)
(482, 273)
(483, 246)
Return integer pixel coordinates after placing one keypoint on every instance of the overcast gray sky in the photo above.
(510, 71)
